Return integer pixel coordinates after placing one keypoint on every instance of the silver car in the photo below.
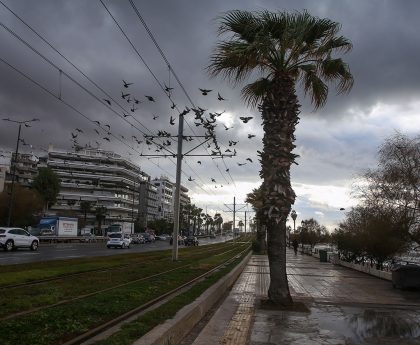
(118, 240)
(13, 238)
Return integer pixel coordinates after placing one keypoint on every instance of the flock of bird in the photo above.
(163, 139)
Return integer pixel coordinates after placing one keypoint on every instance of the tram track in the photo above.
(98, 270)
(94, 332)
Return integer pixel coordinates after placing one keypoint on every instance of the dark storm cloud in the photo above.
(384, 64)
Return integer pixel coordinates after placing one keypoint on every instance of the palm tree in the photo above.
(85, 208)
(282, 49)
(100, 214)
(218, 220)
(256, 199)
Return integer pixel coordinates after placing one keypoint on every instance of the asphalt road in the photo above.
(65, 251)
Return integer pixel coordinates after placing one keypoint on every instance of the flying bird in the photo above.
(74, 136)
(126, 115)
(227, 170)
(173, 105)
(190, 179)
(220, 98)
(107, 100)
(133, 109)
(226, 127)
(155, 117)
(126, 85)
(124, 95)
(150, 98)
(172, 121)
(199, 162)
(97, 122)
(342, 209)
(168, 89)
(136, 101)
(246, 119)
(249, 160)
(250, 136)
(240, 164)
(109, 127)
(107, 139)
(213, 180)
(97, 132)
(27, 125)
(79, 130)
(205, 92)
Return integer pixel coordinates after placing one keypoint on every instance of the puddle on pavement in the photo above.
(359, 325)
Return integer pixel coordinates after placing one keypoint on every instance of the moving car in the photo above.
(191, 241)
(13, 238)
(118, 240)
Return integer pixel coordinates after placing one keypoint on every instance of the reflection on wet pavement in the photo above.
(346, 307)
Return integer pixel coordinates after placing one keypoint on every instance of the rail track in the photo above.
(82, 338)
(205, 249)
(102, 293)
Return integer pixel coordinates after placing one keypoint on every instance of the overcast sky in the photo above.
(334, 143)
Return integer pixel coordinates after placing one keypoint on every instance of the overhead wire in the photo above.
(152, 37)
(136, 50)
(165, 59)
(84, 88)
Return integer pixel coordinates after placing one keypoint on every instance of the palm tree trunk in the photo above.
(279, 111)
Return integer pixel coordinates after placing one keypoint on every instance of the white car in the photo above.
(118, 240)
(13, 238)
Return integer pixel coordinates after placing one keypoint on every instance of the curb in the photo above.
(172, 331)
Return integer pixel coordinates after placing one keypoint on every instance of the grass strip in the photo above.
(134, 330)
(29, 272)
(24, 298)
(56, 324)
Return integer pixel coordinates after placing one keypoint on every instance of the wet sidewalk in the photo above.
(343, 307)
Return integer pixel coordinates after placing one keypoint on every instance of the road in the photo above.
(65, 251)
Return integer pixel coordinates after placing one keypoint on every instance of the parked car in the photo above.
(180, 240)
(88, 237)
(148, 238)
(137, 239)
(191, 241)
(13, 238)
(46, 232)
(118, 240)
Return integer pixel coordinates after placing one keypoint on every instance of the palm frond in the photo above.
(254, 93)
(337, 69)
(316, 88)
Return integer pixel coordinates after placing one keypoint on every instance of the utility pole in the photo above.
(177, 188)
(245, 221)
(179, 156)
(234, 208)
(26, 124)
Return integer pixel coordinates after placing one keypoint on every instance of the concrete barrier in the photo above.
(365, 269)
(172, 331)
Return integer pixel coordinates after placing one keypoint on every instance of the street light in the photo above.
(26, 124)
(294, 216)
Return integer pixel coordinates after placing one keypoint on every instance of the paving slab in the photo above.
(344, 307)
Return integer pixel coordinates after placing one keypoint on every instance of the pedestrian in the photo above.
(295, 245)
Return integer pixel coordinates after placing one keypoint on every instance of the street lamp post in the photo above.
(294, 216)
(26, 123)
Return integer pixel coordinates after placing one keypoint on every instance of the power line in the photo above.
(82, 87)
(171, 70)
(149, 69)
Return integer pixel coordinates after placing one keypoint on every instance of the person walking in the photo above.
(295, 246)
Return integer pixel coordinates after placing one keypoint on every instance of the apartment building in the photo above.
(165, 191)
(149, 203)
(101, 177)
